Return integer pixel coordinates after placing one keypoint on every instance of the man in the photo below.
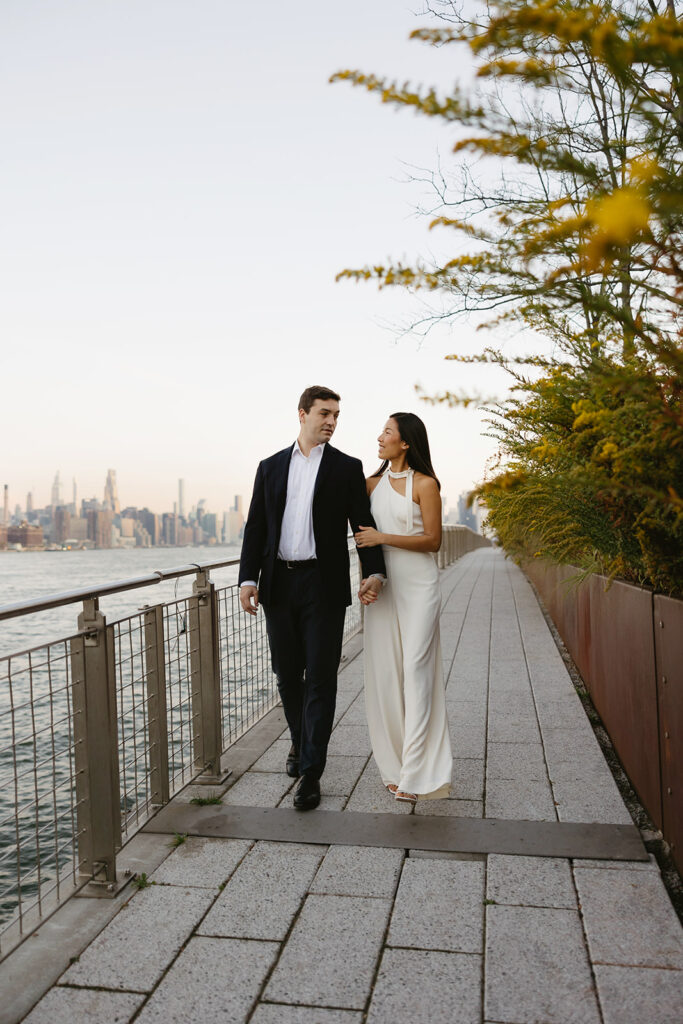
(295, 546)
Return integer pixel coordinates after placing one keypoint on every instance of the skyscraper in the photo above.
(181, 498)
(74, 500)
(5, 506)
(111, 494)
(29, 504)
(56, 492)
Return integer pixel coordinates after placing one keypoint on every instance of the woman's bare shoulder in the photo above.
(424, 484)
(371, 483)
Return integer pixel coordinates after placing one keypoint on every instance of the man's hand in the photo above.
(370, 590)
(249, 599)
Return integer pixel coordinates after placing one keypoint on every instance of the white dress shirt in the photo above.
(297, 541)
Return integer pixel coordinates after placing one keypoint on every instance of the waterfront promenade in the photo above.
(526, 897)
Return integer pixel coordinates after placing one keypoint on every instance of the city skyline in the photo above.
(31, 499)
(106, 523)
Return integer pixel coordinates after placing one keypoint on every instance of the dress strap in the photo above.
(408, 474)
(409, 500)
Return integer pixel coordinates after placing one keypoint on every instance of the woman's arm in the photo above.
(428, 497)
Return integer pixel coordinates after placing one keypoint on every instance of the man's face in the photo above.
(318, 425)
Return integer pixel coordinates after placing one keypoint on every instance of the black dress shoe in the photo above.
(292, 763)
(307, 793)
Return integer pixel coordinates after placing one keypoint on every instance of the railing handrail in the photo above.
(38, 604)
(42, 604)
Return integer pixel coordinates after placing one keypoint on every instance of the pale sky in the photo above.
(180, 185)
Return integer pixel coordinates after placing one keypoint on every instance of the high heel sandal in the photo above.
(408, 798)
(391, 787)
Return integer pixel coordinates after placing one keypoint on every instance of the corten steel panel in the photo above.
(623, 682)
(669, 653)
(568, 605)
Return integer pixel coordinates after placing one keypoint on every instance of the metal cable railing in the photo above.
(99, 729)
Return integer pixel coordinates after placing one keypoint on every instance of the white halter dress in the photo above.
(404, 687)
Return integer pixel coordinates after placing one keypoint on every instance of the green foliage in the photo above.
(141, 881)
(178, 838)
(576, 211)
(573, 227)
(204, 801)
(593, 471)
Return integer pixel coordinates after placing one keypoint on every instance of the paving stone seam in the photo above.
(464, 617)
(383, 943)
(96, 988)
(307, 1006)
(639, 967)
(276, 961)
(357, 783)
(190, 937)
(431, 949)
(484, 934)
(533, 694)
(584, 932)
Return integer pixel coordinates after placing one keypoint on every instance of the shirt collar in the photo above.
(316, 452)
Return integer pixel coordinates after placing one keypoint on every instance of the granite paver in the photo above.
(359, 871)
(266, 891)
(629, 918)
(274, 758)
(214, 981)
(468, 778)
(537, 968)
(515, 799)
(259, 789)
(135, 949)
(281, 1013)
(439, 905)
(68, 1005)
(350, 739)
(369, 794)
(416, 985)
(530, 881)
(523, 761)
(205, 863)
(451, 808)
(349, 929)
(633, 995)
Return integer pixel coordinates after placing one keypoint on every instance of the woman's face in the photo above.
(390, 444)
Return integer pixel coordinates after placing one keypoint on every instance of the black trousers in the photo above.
(305, 635)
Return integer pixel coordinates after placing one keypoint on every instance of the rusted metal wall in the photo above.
(624, 656)
(668, 622)
(622, 680)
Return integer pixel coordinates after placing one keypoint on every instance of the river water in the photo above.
(36, 740)
(29, 574)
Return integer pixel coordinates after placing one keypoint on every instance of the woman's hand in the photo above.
(367, 537)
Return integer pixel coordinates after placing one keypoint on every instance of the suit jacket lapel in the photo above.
(324, 471)
(280, 487)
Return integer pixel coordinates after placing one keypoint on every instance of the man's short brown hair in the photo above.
(310, 395)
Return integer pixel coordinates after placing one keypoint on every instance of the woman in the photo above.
(404, 689)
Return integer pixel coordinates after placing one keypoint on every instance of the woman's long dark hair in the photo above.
(413, 431)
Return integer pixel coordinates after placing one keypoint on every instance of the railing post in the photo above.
(98, 801)
(205, 679)
(155, 662)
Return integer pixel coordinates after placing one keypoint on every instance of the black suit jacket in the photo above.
(339, 498)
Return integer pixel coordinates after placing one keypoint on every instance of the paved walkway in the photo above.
(286, 932)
